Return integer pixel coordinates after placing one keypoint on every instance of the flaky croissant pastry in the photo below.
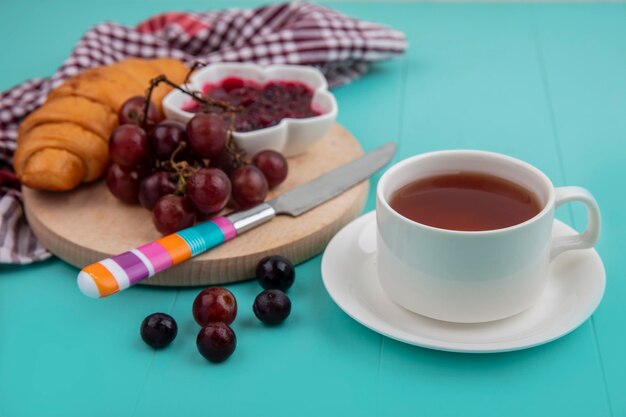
(64, 142)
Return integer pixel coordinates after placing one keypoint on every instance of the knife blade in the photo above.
(117, 273)
(305, 197)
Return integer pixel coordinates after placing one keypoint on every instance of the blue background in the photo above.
(544, 83)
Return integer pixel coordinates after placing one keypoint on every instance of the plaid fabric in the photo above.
(289, 33)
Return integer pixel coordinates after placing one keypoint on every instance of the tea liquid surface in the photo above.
(465, 201)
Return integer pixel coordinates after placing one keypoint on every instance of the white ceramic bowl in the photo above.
(289, 136)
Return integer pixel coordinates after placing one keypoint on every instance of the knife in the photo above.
(112, 275)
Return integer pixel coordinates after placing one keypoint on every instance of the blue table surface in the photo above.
(542, 82)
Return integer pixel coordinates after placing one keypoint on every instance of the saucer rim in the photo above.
(456, 347)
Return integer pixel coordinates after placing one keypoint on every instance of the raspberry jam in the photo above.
(261, 105)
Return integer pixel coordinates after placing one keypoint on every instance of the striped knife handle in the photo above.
(117, 273)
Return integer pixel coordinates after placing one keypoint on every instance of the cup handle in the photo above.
(589, 237)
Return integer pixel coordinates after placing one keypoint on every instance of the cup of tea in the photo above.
(466, 236)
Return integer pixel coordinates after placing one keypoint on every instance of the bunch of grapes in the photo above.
(185, 173)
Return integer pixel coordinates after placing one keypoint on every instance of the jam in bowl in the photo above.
(262, 105)
(285, 108)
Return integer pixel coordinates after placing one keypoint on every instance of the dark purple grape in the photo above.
(123, 183)
(132, 110)
(128, 146)
(209, 190)
(216, 342)
(206, 134)
(172, 213)
(154, 187)
(158, 330)
(226, 161)
(273, 165)
(9, 180)
(272, 307)
(165, 138)
(275, 272)
(249, 186)
(214, 304)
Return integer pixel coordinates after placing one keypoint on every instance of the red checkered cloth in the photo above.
(289, 33)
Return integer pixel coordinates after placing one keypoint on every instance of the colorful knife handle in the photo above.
(112, 275)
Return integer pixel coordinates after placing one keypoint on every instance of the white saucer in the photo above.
(574, 290)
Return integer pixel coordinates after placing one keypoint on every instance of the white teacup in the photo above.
(471, 277)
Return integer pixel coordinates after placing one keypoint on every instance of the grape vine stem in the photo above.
(183, 168)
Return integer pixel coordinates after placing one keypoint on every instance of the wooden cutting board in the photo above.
(88, 224)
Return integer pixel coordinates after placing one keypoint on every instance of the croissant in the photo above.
(142, 69)
(88, 114)
(64, 142)
(107, 85)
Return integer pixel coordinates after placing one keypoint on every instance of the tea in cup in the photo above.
(466, 236)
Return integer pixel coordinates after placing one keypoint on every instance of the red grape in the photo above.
(214, 304)
(226, 161)
(273, 165)
(128, 145)
(209, 189)
(123, 183)
(154, 187)
(172, 213)
(249, 186)
(207, 134)
(131, 112)
(216, 342)
(165, 138)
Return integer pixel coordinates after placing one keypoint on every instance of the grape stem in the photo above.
(206, 102)
(240, 155)
(194, 67)
(182, 168)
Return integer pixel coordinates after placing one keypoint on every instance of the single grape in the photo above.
(207, 134)
(123, 183)
(132, 110)
(9, 180)
(172, 213)
(209, 189)
(214, 304)
(128, 146)
(165, 138)
(272, 307)
(249, 186)
(158, 330)
(216, 342)
(273, 165)
(226, 161)
(275, 272)
(154, 187)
